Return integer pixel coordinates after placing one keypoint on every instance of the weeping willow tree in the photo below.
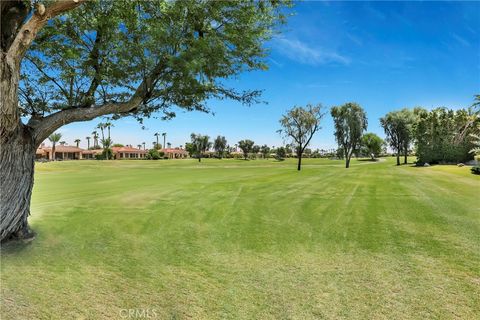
(73, 60)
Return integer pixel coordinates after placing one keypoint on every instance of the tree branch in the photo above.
(45, 126)
(52, 79)
(29, 30)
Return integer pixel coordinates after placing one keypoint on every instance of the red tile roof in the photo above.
(174, 150)
(127, 149)
(92, 151)
(62, 149)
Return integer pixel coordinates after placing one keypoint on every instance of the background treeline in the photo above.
(440, 135)
(445, 136)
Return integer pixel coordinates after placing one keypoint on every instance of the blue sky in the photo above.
(382, 55)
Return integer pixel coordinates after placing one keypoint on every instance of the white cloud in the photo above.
(301, 52)
(460, 40)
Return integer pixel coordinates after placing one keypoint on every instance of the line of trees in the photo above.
(440, 135)
(350, 121)
(200, 145)
(445, 136)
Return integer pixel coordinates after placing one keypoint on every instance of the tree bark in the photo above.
(398, 158)
(348, 156)
(299, 166)
(405, 160)
(17, 156)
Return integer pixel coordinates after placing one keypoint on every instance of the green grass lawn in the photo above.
(235, 239)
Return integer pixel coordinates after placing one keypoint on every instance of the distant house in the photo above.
(175, 153)
(61, 153)
(90, 154)
(128, 152)
(119, 153)
(41, 154)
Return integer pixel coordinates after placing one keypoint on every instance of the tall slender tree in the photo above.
(350, 120)
(95, 139)
(398, 126)
(299, 125)
(54, 139)
(102, 127)
(164, 135)
(157, 146)
(77, 142)
(88, 142)
(108, 125)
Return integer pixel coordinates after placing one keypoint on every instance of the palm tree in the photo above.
(54, 138)
(169, 145)
(77, 141)
(143, 145)
(101, 126)
(476, 143)
(164, 135)
(139, 146)
(95, 139)
(108, 125)
(156, 135)
(88, 142)
(62, 143)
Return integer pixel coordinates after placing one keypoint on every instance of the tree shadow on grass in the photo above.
(14, 246)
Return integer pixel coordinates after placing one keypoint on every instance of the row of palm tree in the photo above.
(164, 135)
(54, 138)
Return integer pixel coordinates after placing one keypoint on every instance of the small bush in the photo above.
(475, 170)
(152, 155)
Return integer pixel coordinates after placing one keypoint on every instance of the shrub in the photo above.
(103, 155)
(152, 154)
(280, 153)
(475, 170)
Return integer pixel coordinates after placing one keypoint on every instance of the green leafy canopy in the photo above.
(182, 52)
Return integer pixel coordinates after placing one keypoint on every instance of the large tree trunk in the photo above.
(348, 156)
(17, 156)
(299, 166)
